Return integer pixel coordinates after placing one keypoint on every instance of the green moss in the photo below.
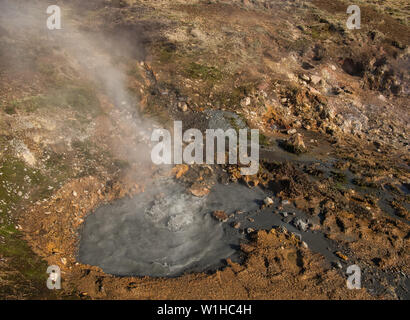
(264, 140)
(232, 98)
(339, 176)
(320, 31)
(198, 71)
(167, 52)
(300, 45)
(16, 176)
(81, 99)
(27, 274)
(121, 164)
(11, 107)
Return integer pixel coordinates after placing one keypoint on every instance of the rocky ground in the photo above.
(331, 105)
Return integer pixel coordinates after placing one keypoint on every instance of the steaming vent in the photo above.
(164, 232)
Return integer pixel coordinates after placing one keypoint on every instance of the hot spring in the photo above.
(165, 231)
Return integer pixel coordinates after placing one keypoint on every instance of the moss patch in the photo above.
(24, 273)
(83, 100)
(198, 71)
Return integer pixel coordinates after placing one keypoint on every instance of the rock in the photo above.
(305, 77)
(337, 265)
(382, 98)
(291, 131)
(237, 225)
(199, 191)
(284, 214)
(341, 256)
(74, 194)
(183, 106)
(295, 144)
(180, 170)
(316, 79)
(220, 215)
(268, 201)
(285, 202)
(246, 102)
(300, 224)
(305, 245)
(247, 248)
(250, 230)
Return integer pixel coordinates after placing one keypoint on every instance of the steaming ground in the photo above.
(164, 231)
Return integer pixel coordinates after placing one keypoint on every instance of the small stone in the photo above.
(220, 215)
(305, 77)
(291, 131)
(382, 98)
(237, 225)
(74, 194)
(199, 190)
(341, 256)
(295, 144)
(250, 230)
(285, 202)
(183, 106)
(64, 261)
(268, 201)
(300, 224)
(316, 79)
(284, 214)
(304, 245)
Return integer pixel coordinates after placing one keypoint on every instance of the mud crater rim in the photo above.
(164, 231)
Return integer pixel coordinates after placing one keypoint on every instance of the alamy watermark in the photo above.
(170, 150)
(54, 20)
(54, 278)
(354, 21)
(354, 281)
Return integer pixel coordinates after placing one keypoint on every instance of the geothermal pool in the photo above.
(164, 231)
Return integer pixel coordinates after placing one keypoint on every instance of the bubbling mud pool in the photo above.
(164, 231)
